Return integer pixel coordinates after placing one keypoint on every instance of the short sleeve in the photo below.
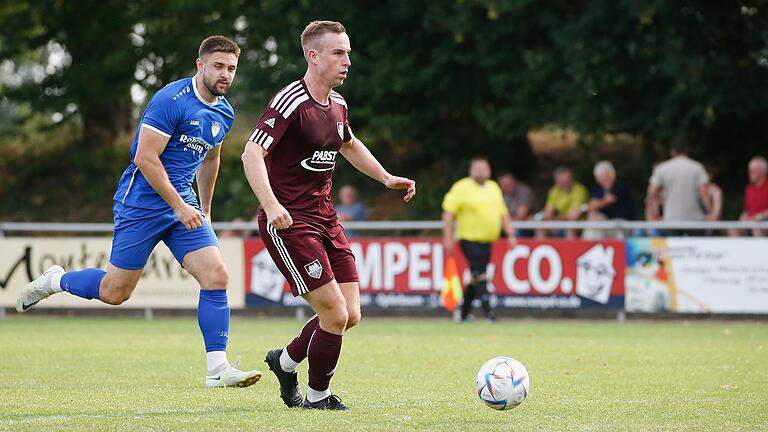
(452, 200)
(278, 116)
(656, 177)
(551, 197)
(162, 115)
(270, 129)
(502, 206)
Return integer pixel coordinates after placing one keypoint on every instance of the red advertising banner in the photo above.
(408, 272)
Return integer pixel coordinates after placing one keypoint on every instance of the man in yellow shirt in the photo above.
(476, 205)
(566, 200)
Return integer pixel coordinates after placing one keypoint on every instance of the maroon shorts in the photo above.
(309, 255)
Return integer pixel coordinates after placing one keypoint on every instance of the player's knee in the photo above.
(115, 292)
(353, 317)
(337, 320)
(216, 278)
(222, 276)
(115, 296)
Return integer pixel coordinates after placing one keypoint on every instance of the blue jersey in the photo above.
(193, 127)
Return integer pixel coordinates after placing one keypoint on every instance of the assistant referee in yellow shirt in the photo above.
(476, 205)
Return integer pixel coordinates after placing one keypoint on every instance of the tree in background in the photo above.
(80, 58)
(432, 83)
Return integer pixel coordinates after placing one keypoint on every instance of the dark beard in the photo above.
(212, 88)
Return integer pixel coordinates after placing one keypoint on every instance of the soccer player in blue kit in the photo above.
(179, 138)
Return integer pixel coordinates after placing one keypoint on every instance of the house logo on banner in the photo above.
(595, 274)
(266, 280)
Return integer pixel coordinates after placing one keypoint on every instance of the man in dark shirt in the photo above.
(609, 198)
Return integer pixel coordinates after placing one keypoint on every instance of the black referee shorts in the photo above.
(478, 255)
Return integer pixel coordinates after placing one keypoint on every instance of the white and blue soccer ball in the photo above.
(503, 383)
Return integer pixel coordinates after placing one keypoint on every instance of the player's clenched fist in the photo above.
(278, 217)
(189, 216)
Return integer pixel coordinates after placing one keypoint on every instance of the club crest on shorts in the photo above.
(215, 128)
(314, 269)
(340, 129)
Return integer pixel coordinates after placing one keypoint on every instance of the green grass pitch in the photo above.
(396, 374)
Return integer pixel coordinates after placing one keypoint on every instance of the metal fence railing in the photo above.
(15, 228)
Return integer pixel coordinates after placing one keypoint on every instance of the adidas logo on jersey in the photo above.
(270, 122)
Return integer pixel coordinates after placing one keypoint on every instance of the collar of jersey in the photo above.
(200, 98)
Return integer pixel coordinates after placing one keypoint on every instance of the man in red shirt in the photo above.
(289, 161)
(756, 193)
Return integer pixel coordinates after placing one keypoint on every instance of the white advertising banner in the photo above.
(697, 275)
(164, 284)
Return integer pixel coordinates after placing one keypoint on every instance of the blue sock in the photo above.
(213, 319)
(83, 283)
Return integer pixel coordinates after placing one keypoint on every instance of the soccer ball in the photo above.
(503, 383)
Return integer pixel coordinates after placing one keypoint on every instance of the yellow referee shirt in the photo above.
(478, 209)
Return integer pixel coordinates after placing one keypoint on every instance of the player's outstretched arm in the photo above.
(361, 158)
(206, 179)
(150, 147)
(256, 173)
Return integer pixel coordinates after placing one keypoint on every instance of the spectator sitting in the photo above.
(755, 195)
(349, 209)
(609, 199)
(518, 198)
(566, 200)
(681, 183)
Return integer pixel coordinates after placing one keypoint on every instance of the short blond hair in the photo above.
(314, 30)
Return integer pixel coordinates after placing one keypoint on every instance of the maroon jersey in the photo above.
(303, 138)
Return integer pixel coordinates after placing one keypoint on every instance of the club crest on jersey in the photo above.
(215, 128)
(340, 129)
(321, 160)
(314, 269)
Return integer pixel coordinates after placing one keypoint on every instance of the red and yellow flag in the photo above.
(452, 291)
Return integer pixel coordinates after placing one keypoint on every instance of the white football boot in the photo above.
(231, 376)
(38, 289)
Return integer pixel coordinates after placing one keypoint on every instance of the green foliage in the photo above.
(410, 374)
(432, 83)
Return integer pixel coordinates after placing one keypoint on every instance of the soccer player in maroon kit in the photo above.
(289, 161)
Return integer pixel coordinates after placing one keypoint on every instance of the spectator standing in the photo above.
(476, 205)
(681, 182)
(349, 208)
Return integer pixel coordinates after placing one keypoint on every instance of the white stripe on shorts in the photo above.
(281, 249)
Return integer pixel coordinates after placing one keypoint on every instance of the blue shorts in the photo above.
(137, 232)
